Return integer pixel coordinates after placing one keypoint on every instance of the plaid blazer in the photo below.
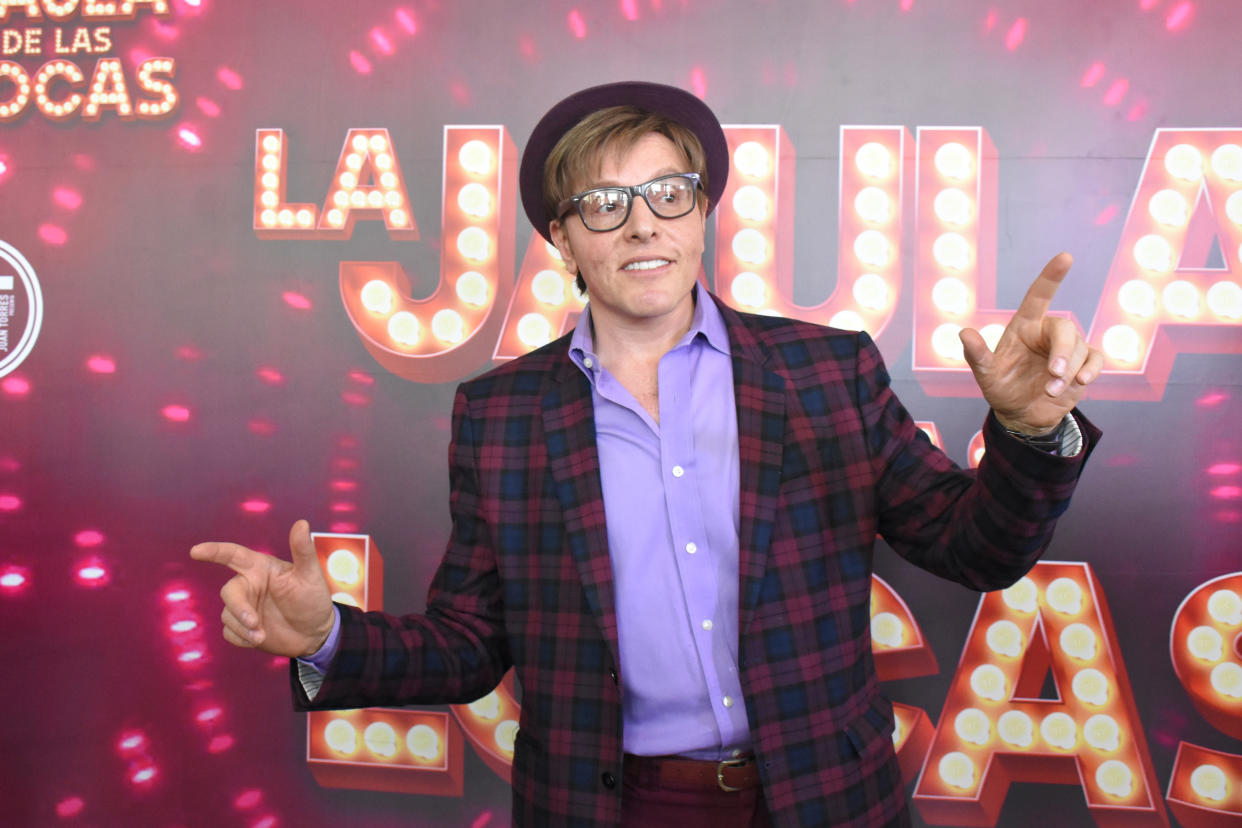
(829, 459)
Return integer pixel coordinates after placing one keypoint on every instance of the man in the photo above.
(664, 521)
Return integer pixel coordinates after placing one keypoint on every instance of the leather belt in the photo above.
(738, 774)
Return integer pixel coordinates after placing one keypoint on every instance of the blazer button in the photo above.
(613, 675)
(609, 780)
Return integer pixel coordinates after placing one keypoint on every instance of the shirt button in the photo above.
(678, 471)
(692, 547)
(727, 701)
(608, 779)
(707, 624)
(588, 362)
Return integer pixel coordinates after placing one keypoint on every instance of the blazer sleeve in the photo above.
(457, 651)
(983, 528)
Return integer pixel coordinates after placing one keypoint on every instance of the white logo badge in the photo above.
(21, 308)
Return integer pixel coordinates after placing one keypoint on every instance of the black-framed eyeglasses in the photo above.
(607, 208)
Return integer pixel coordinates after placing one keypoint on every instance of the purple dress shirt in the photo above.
(671, 501)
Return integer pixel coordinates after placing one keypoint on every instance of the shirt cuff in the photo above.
(312, 669)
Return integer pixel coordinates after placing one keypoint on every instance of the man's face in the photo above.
(642, 272)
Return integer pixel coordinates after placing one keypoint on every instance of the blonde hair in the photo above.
(577, 157)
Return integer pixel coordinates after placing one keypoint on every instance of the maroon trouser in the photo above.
(659, 791)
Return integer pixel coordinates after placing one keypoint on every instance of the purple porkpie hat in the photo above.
(673, 103)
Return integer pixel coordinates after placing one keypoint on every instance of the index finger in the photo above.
(1039, 296)
(233, 555)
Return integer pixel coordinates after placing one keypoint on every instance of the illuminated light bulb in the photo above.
(475, 157)
(1227, 162)
(1137, 298)
(871, 291)
(1205, 644)
(358, 199)
(1227, 680)
(957, 770)
(1115, 777)
(874, 160)
(504, 735)
(1209, 782)
(751, 158)
(951, 250)
(1185, 162)
(388, 180)
(472, 288)
(344, 566)
(335, 217)
(1225, 299)
(548, 286)
(872, 248)
(353, 161)
(872, 204)
(270, 162)
(1022, 596)
(951, 295)
(1102, 732)
(1169, 208)
(988, 682)
(1153, 252)
(1078, 641)
(392, 198)
(1181, 298)
(751, 203)
(473, 243)
(403, 328)
(378, 143)
(375, 199)
(448, 326)
(304, 218)
(952, 206)
(973, 725)
(750, 246)
(1059, 730)
(1121, 342)
(422, 741)
(946, 343)
(1225, 607)
(268, 199)
(380, 739)
(992, 334)
(1065, 596)
(341, 736)
(344, 598)
(552, 251)
(898, 730)
(954, 161)
(383, 161)
(285, 217)
(268, 218)
(1005, 638)
(376, 296)
(271, 143)
(534, 330)
(847, 320)
(1090, 686)
(474, 200)
(348, 180)
(487, 708)
(1016, 728)
(887, 629)
(270, 180)
(1233, 207)
(359, 143)
(749, 290)
(397, 217)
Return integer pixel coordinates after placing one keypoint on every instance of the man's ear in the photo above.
(560, 239)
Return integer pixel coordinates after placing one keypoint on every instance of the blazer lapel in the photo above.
(760, 398)
(569, 429)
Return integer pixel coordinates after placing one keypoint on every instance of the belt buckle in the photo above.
(729, 763)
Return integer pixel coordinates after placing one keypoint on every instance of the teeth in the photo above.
(650, 264)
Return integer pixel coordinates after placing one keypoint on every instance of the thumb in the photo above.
(302, 549)
(976, 351)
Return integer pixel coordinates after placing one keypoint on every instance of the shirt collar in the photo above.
(707, 320)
